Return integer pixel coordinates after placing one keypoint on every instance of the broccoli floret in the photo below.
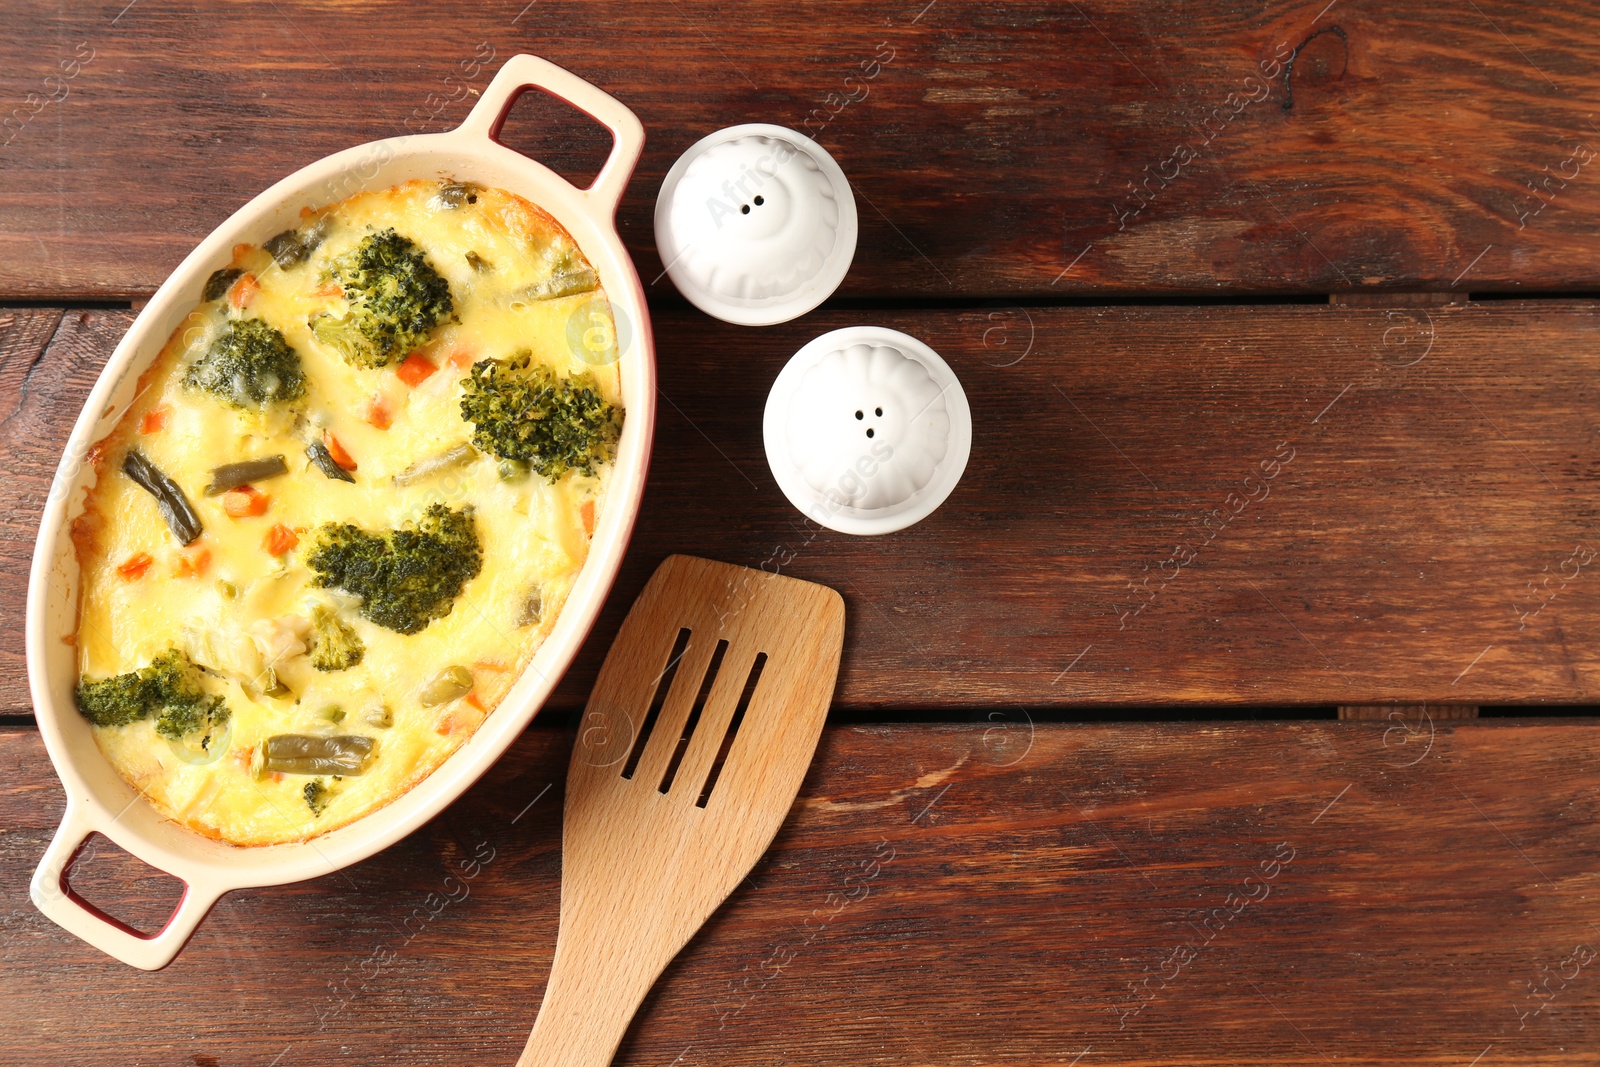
(523, 412)
(113, 701)
(317, 796)
(169, 689)
(405, 578)
(125, 698)
(394, 300)
(196, 723)
(249, 366)
(335, 645)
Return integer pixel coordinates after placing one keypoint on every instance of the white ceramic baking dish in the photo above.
(97, 797)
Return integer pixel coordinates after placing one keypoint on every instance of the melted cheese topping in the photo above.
(234, 607)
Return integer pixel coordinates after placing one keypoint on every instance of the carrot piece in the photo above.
(154, 420)
(192, 563)
(460, 357)
(378, 414)
(472, 698)
(280, 539)
(414, 369)
(489, 665)
(586, 512)
(337, 451)
(245, 502)
(242, 250)
(69, 639)
(135, 565)
(243, 291)
(331, 289)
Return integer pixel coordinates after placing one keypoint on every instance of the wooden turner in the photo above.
(692, 747)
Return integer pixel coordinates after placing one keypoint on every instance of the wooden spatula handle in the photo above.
(588, 1004)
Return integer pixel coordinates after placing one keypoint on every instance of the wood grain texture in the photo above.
(33, 432)
(691, 750)
(1174, 147)
(1426, 542)
(1335, 892)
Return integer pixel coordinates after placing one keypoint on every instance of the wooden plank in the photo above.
(1410, 714)
(1168, 148)
(995, 893)
(1425, 542)
(32, 434)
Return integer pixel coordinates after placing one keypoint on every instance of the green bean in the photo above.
(532, 608)
(233, 475)
(452, 195)
(568, 278)
(218, 284)
(424, 468)
(452, 683)
(291, 247)
(343, 754)
(170, 501)
(325, 462)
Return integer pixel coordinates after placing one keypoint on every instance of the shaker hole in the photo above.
(744, 209)
(869, 433)
(859, 415)
(878, 412)
(759, 201)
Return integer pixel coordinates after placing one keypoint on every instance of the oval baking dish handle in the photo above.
(523, 72)
(53, 896)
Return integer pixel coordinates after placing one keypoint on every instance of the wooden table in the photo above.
(1142, 762)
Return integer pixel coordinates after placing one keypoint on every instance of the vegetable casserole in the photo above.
(345, 508)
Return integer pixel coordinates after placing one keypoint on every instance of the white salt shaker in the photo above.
(867, 430)
(756, 224)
